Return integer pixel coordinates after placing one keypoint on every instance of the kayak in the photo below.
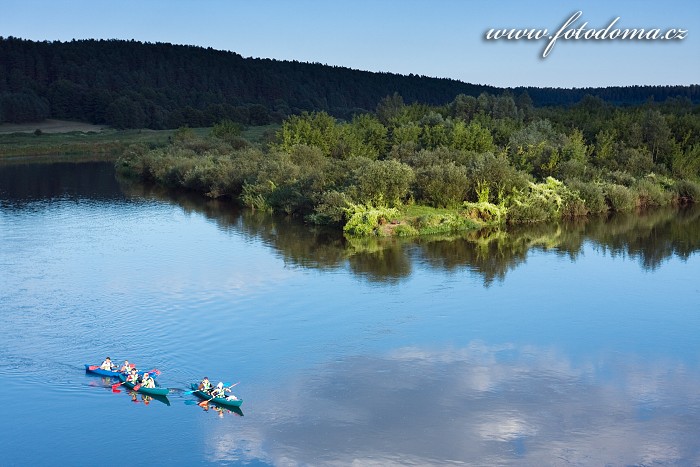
(143, 390)
(222, 401)
(100, 371)
(95, 369)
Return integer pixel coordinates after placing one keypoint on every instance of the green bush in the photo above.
(573, 206)
(405, 230)
(442, 185)
(131, 162)
(529, 210)
(545, 201)
(366, 219)
(592, 194)
(619, 197)
(331, 210)
(638, 162)
(572, 169)
(202, 176)
(226, 130)
(381, 183)
(496, 173)
(485, 212)
(650, 194)
(169, 168)
(687, 191)
(254, 195)
(623, 178)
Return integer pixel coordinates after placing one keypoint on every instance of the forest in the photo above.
(130, 84)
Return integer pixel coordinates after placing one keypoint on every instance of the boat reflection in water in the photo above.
(220, 411)
(146, 399)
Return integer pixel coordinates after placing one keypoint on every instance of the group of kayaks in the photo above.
(160, 391)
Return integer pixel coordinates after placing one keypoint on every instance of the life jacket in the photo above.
(149, 383)
(106, 365)
(205, 385)
(132, 378)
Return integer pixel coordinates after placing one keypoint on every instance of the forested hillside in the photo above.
(129, 84)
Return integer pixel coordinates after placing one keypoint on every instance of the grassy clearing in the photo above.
(22, 141)
(260, 134)
(107, 142)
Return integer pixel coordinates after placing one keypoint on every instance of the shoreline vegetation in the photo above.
(409, 170)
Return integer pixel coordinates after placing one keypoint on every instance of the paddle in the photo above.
(116, 385)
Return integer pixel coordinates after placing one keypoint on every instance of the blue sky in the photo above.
(443, 38)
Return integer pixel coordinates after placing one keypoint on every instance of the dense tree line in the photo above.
(485, 159)
(129, 84)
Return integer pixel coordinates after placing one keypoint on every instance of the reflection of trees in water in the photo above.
(652, 237)
(489, 253)
(25, 182)
(381, 260)
(298, 243)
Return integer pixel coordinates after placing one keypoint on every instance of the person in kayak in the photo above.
(107, 364)
(220, 391)
(126, 367)
(133, 377)
(147, 381)
(204, 385)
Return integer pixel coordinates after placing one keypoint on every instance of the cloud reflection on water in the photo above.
(479, 405)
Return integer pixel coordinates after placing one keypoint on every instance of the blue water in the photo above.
(403, 355)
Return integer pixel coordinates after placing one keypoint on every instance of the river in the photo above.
(573, 343)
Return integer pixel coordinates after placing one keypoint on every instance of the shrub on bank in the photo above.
(331, 210)
(442, 185)
(592, 194)
(366, 219)
(650, 194)
(687, 191)
(485, 212)
(619, 197)
(545, 201)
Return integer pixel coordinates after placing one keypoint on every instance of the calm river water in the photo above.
(551, 345)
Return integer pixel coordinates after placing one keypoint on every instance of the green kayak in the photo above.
(222, 401)
(143, 390)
